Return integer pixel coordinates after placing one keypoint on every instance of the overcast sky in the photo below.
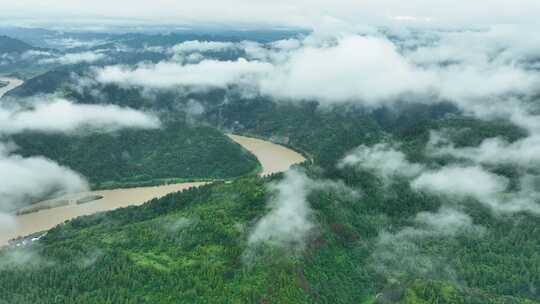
(256, 13)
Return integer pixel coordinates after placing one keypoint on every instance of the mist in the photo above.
(30, 179)
(60, 115)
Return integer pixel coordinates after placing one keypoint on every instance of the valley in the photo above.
(273, 158)
(392, 165)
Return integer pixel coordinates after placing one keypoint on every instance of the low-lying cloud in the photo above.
(367, 69)
(202, 46)
(458, 182)
(74, 58)
(290, 221)
(383, 159)
(27, 179)
(164, 75)
(280, 13)
(401, 252)
(461, 182)
(60, 115)
(495, 150)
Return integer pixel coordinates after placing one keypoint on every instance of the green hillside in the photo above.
(11, 45)
(193, 247)
(172, 153)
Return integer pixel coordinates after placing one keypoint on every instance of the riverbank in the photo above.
(12, 83)
(273, 158)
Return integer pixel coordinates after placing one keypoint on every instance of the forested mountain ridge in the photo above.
(194, 247)
(175, 152)
(201, 253)
(423, 184)
(11, 45)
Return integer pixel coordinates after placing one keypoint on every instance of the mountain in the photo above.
(197, 245)
(351, 225)
(194, 247)
(35, 36)
(141, 156)
(11, 45)
(134, 158)
(46, 83)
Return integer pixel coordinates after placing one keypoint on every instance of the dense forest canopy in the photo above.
(132, 157)
(422, 183)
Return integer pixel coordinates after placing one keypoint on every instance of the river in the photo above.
(13, 83)
(273, 158)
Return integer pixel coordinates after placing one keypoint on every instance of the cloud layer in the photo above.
(60, 115)
(289, 222)
(28, 179)
(457, 182)
(246, 13)
(383, 159)
(207, 73)
(370, 70)
(74, 58)
(25, 180)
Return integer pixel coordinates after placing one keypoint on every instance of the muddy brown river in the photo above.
(273, 158)
(13, 83)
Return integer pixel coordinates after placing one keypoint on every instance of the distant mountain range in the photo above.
(11, 45)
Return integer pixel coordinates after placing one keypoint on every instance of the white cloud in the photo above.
(74, 58)
(396, 253)
(60, 115)
(286, 44)
(33, 54)
(68, 43)
(210, 73)
(383, 159)
(446, 221)
(26, 180)
(202, 46)
(462, 182)
(289, 222)
(244, 13)
(523, 152)
(485, 187)
(32, 178)
(498, 44)
(7, 222)
(456, 182)
(368, 70)
(364, 69)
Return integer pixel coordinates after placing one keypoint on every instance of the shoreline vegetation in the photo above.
(50, 204)
(273, 158)
(88, 199)
(111, 185)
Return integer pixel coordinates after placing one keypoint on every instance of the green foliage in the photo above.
(192, 247)
(184, 248)
(174, 153)
(427, 292)
(11, 45)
